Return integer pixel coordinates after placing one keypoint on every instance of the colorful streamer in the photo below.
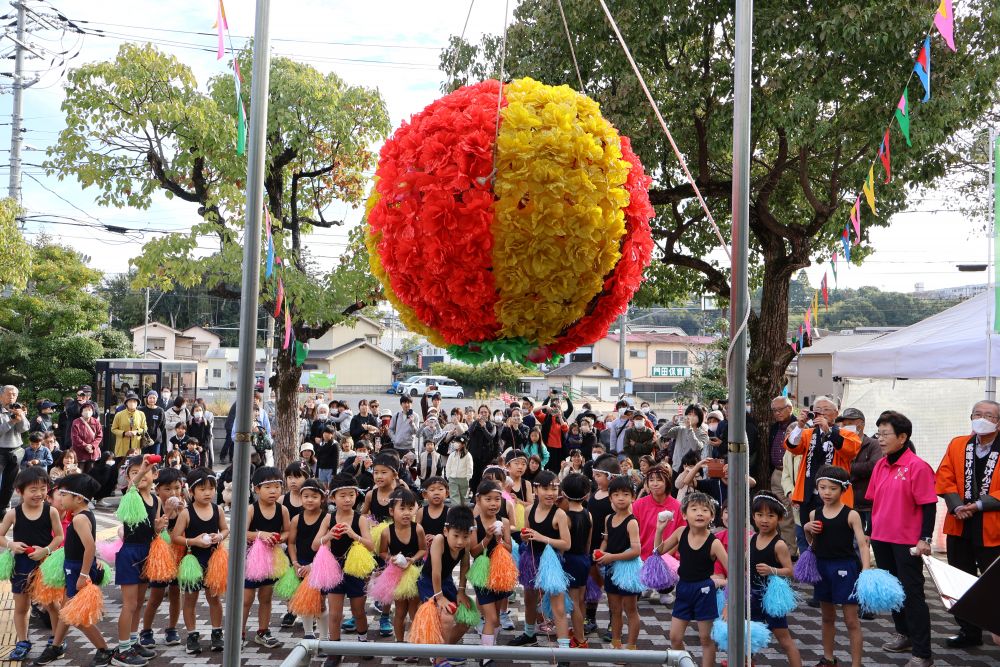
(883, 153)
(279, 300)
(923, 68)
(288, 328)
(826, 294)
(869, 190)
(221, 24)
(944, 21)
(903, 116)
(856, 218)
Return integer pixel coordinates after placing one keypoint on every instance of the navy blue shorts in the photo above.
(72, 569)
(23, 567)
(129, 563)
(609, 586)
(426, 588)
(757, 612)
(203, 556)
(837, 579)
(695, 600)
(163, 584)
(350, 587)
(486, 596)
(577, 566)
(258, 584)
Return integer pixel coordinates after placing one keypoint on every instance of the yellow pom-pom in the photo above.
(407, 586)
(518, 516)
(281, 563)
(359, 561)
(376, 533)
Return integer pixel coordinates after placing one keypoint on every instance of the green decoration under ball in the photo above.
(6, 565)
(287, 584)
(132, 510)
(479, 573)
(53, 574)
(189, 573)
(466, 615)
(107, 574)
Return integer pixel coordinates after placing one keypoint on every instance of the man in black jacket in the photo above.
(327, 454)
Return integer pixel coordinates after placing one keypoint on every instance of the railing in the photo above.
(304, 652)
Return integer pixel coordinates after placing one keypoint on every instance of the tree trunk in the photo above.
(285, 383)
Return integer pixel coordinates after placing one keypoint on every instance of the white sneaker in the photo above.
(668, 599)
(654, 597)
(506, 622)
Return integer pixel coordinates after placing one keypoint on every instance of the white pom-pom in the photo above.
(399, 560)
(665, 516)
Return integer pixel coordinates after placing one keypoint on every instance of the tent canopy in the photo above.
(949, 345)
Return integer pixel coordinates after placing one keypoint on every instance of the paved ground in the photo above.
(805, 627)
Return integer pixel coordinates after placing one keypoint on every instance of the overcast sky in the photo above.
(393, 45)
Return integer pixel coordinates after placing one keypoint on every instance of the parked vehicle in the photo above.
(417, 385)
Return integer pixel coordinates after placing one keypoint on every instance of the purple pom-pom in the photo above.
(654, 574)
(805, 569)
(526, 569)
(593, 594)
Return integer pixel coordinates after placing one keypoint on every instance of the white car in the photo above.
(417, 386)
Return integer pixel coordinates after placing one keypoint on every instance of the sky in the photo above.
(392, 45)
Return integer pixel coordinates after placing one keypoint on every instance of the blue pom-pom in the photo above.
(526, 567)
(551, 577)
(780, 599)
(515, 551)
(593, 594)
(546, 605)
(627, 575)
(760, 636)
(720, 599)
(878, 592)
(654, 574)
(720, 633)
(806, 570)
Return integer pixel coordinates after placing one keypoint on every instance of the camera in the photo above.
(16, 406)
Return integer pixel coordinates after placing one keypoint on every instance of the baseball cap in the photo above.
(852, 413)
(86, 389)
(46, 404)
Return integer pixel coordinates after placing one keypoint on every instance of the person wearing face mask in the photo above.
(156, 420)
(712, 421)
(200, 429)
(588, 438)
(164, 400)
(968, 480)
(647, 411)
(639, 439)
(688, 434)
(86, 436)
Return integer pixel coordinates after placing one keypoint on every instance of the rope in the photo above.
(503, 56)
(454, 60)
(569, 40)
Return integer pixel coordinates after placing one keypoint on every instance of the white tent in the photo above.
(949, 345)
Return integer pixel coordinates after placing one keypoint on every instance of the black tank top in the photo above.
(33, 532)
(696, 565)
(377, 509)
(196, 526)
(293, 510)
(837, 538)
(579, 531)
(600, 510)
(261, 522)
(618, 540)
(519, 492)
(409, 549)
(482, 532)
(502, 512)
(340, 546)
(305, 533)
(544, 527)
(74, 546)
(431, 525)
(142, 533)
(765, 556)
(448, 563)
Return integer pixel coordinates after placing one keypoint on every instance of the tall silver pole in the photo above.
(991, 258)
(268, 352)
(145, 329)
(256, 153)
(621, 354)
(14, 188)
(739, 460)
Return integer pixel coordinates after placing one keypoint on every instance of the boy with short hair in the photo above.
(192, 455)
(180, 438)
(35, 454)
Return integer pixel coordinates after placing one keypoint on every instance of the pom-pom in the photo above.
(654, 574)
(280, 562)
(189, 573)
(325, 572)
(107, 550)
(515, 551)
(217, 572)
(526, 570)
(759, 635)
(551, 578)
(359, 561)
(382, 587)
(376, 534)
(260, 561)
(85, 609)
(6, 565)
(546, 605)
(132, 510)
(52, 569)
(806, 569)
(593, 593)
(780, 599)
(407, 588)
(42, 594)
(673, 567)
(720, 599)
(161, 566)
(467, 615)
(878, 592)
(106, 574)
(519, 516)
(479, 571)
(307, 600)
(626, 575)
(286, 586)
(503, 571)
(426, 625)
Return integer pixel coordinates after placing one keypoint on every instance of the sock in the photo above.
(134, 637)
(563, 642)
(529, 629)
(324, 626)
(362, 637)
(124, 645)
(488, 640)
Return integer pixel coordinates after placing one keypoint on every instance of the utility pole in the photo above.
(145, 329)
(621, 354)
(256, 153)
(268, 351)
(14, 189)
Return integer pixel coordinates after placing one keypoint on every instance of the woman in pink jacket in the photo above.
(86, 436)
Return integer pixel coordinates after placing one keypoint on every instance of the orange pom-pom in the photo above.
(85, 609)
(42, 594)
(307, 601)
(161, 565)
(503, 571)
(179, 551)
(217, 572)
(426, 626)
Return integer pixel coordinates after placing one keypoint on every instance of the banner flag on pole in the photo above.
(815, 307)
(809, 322)
(883, 153)
(869, 190)
(903, 116)
(856, 219)
(280, 298)
(845, 239)
(923, 68)
(826, 294)
(288, 328)
(221, 24)
(944, 21)
(833, 265)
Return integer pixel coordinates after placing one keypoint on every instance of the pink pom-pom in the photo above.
(108, 550)
(260, 561)
(382, 587)
(325, 572)
(673, 565)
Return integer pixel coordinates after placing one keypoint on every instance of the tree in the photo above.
(51, 332)
(15, 253)
(139, 126)
(826, 79)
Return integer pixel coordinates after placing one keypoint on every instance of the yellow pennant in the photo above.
(869, 189)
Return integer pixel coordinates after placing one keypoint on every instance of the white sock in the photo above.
(307, 625)
(324, 626)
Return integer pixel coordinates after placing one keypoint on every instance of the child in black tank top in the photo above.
(621, 543)
(269, 521)
(402, 543)
(295, 477)
(170, 494)
(431, 516)
(302, 533)
(385, 473)
(436, 581)
(36, 527)
(492, 531)
(577, 561)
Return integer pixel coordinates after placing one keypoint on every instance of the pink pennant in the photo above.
(220, 23)
(288, 328)
(944, 21)
(856, 219)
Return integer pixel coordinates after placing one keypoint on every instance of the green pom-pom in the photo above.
(165, 536)
(107, 574)
(6, 565)
(479, 573)
(189, 573)
(286, 586)
(53, 574)
(466, 615)
(132, 510)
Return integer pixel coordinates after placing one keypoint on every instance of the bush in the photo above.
(492, 375)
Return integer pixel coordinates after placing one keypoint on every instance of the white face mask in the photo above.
(712, 428)
(596, 455)
(638, 423)
(198, 414)
(86, 414)
(849, 428)
(644, 409)
(983, 426)
(165, 395)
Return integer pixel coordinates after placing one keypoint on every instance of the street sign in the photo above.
(322, 380)
(671, 372)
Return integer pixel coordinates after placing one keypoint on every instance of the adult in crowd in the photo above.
(712, 421)
(71, 411)
(482, 444)
(513, 432)
(13, 424)
(640, 439)
(455, 427)
(816, 437)
(177, 413)
(586, 412)
(165, 400)
(588, 438)
(554, 421)
(403, 426)
(863, 465)
(430, 399)
(781, 415)
(200, 428)
(227, 447)
(327, 454)
(903, 501)
(42, 423)
(688, 433)
(431, 429)
(616, 435)
(364, 424)
(156, 421)
(969, 483)
(128, 427)
(753, 438)
(341, 415)
(320, 423)
(307, 413)
(86, 436)
(528, 412)
(648, 412)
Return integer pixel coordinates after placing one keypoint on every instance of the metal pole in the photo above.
(621, 354)
(268, 352)
(14, 188)
(991, 278)
(145, 329)
(739, 461)
(256, 152)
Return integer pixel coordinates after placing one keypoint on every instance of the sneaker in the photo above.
(146, 638)
(171, 637)
(308, 636)
(411, 660)
(898, 644)
(668, 599)
(823, 662)
(488, 662)
(21, 651)
(127, 658)
(589, 627)
(606, 636)
(384, 626)
(546, 627)
(919, 662)
(193, 645)
(51, 653)
(143, 652)
(349, 625)
(218, 643)
(378, 607)
(288, 620)
(332, 661)
(654, 597)
(506, 622)
(102, 658)
(524, 640)
(265, 639)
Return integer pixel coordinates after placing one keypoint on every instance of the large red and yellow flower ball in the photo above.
(521, 235)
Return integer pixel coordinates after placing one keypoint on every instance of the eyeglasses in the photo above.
(987, 417)
(882, 435)
(782, 408)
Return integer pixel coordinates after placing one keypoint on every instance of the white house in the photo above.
(219, 369)
(585, 378)
(161, 341)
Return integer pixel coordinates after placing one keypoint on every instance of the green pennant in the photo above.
(241, 128)
(903, 116)
(301, 352)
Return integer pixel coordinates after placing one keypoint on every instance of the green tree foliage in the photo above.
(139, 126)
(871, 307)
(15, 253)
(491, 375)
(826, 79)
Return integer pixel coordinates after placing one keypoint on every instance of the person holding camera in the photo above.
(688, 434)
(554, 422)
(403, 426)
(13, 424)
